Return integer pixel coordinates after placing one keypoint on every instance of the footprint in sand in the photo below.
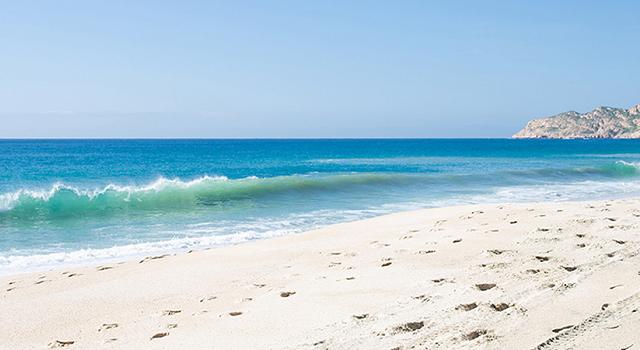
(496, 251)
(566, 286)
(542, 258)
(500, 306)
(558, 330)
(172, 325)
(408, 327)
(60, 343)
(170, 312)
(619, 241)
(475, 334)
(422, 252)
(361, 316)
(467, 307)
(154, 258)
(159, 335)
(485, 286)
(422, 298)
(286, 294)
(106, 326)
(569, 268)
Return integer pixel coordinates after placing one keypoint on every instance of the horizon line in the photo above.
(4, 139)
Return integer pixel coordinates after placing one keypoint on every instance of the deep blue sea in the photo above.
(65, 202)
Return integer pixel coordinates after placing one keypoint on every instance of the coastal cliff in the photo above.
(602, 122)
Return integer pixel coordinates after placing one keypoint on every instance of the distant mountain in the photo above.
(602, 122)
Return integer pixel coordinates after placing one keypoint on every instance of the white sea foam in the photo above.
(13, 262)
(198, 236)
(9, 200)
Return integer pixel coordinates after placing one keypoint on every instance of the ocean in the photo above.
(78, 202)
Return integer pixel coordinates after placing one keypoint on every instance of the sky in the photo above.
(270, 69)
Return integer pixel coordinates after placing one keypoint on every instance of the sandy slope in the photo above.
(408, 280)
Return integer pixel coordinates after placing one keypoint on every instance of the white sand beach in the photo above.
(512, 276)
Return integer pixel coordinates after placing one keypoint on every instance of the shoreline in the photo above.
(487, 275)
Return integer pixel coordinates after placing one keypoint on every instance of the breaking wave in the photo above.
(62, 200)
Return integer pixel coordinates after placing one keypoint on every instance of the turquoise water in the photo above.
(83, 201)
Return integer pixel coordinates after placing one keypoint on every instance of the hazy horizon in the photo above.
(309, 70)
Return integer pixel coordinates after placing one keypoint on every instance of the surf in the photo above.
(219, 192)
(164, 194)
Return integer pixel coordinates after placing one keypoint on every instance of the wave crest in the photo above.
(64, 200)
(622, 168)
(168, 195)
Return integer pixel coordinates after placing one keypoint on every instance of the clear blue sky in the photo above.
(309, 68)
